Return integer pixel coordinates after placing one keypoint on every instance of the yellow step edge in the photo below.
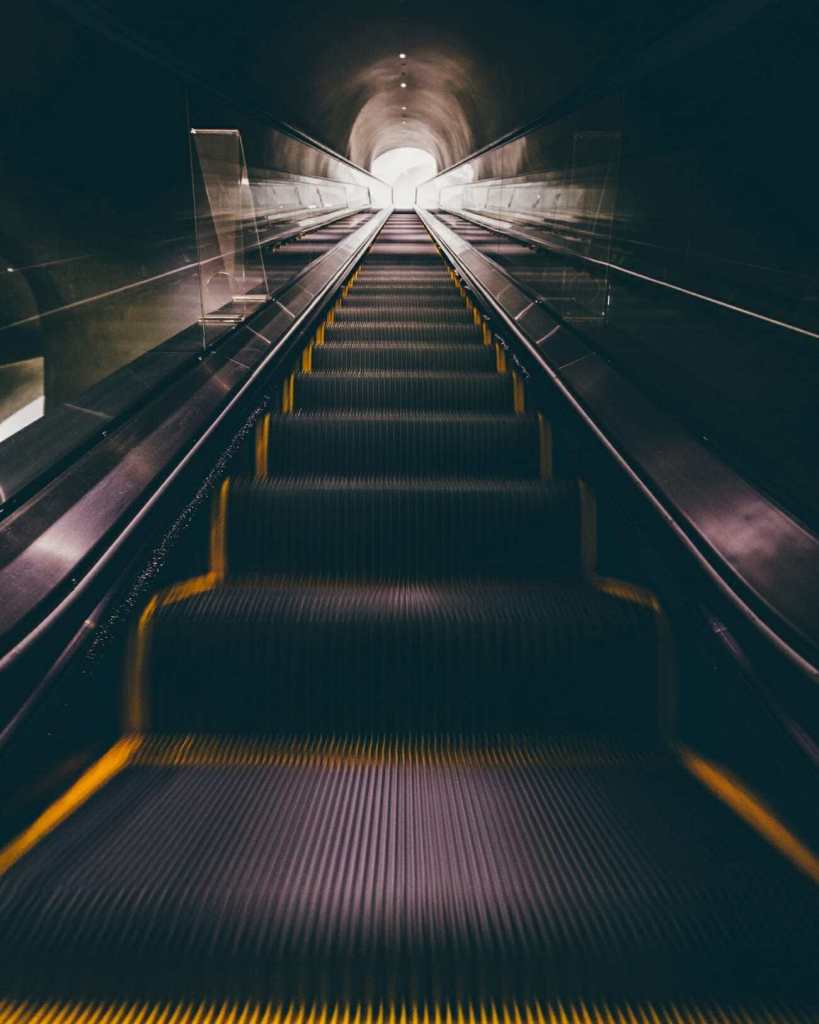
(100, 773)
(262, 446)
(666, 658)
(288, 393)
(544, 431)
(753, 811)
(518, 394)
(136, 711)
(255, 1011)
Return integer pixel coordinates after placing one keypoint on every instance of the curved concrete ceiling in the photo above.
(473, 70)
(439, 111)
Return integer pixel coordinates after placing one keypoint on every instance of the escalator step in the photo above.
(435, 284)
(332, 527)
(405, 307)
(389, 250)
(414, 445)
(365, 295)
(302, 657)
(442, 392)
(433, 357)
(434, 277)
(391, 330)
(401, 312)
(494, 882)
(565, 1011)
(444, 298)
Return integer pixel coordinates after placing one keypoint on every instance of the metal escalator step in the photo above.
(442, 878)
(432, 269)
(434, 272)
(391, 330)
(175, 1010)
(370, 302)
(437, 282)
(441, 392)
(410, 444)
(386, 250)
(367, 295)
(389, 657)
(433, 357)
(341, 528)
(401, 312)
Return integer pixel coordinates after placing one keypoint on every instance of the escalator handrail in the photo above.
(509, 230)
(797, 642)
(56, 435)
(53, 554)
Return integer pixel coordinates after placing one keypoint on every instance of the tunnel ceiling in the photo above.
(473, 71)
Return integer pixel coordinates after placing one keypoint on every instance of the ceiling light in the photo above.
(402, 56)
(403, 108)
(403, 85)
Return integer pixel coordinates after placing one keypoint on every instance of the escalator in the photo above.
(400, 754)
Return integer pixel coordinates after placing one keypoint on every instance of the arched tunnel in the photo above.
(409, 513)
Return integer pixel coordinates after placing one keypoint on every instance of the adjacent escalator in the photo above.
(400, 754)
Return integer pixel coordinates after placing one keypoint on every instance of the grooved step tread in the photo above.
(431, 444)
(395, 655)
(403, 313)
(477, 873)
(444, 392)
(407, 528)
(390, 356)
(404, 332)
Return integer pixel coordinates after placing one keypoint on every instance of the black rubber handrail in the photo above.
(509, 230)
(758, 605)
(59, 548)
(70, 442)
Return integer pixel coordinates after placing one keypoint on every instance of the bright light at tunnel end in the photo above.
(404, 168)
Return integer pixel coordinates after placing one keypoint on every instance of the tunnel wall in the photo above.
(98, 235)
(698, 173)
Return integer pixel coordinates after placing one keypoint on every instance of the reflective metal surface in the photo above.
(106, 245)
(762, 555)
(89, 510)
(672, 207)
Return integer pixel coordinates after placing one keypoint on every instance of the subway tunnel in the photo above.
(409, 571)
